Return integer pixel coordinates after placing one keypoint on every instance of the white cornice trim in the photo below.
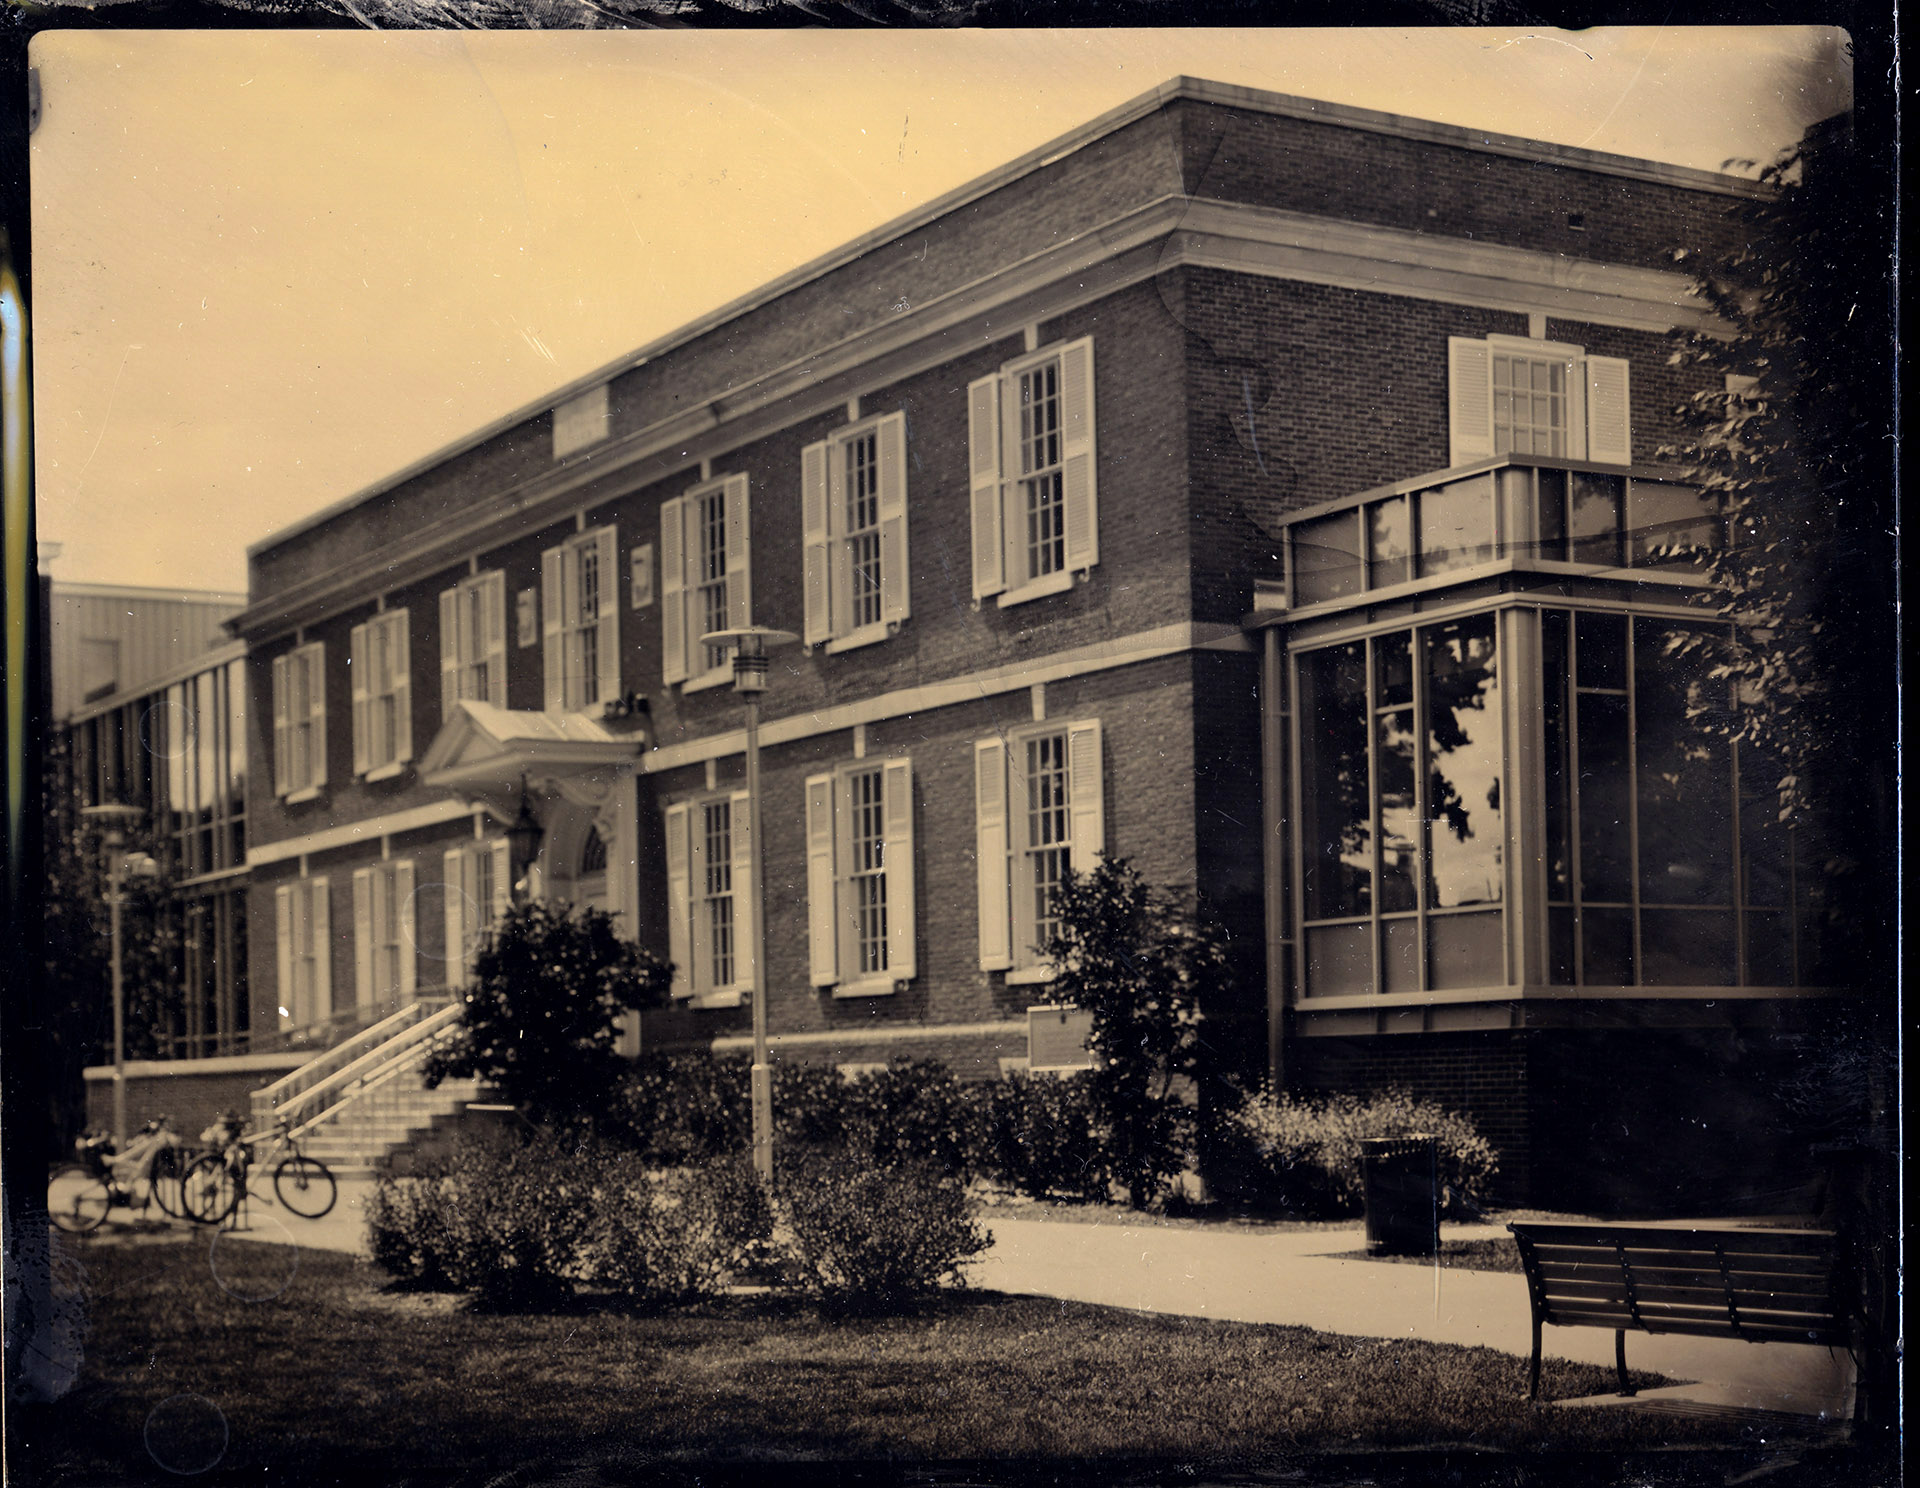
(1146, 645)
(433, 814)
(63, 588)
(733, 1042)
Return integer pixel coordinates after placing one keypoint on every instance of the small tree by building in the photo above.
(541, 1019)
(1138, 959)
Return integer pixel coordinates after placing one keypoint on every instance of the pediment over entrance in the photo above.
(489, 750)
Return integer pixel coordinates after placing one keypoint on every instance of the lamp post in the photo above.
(114, 819)
(523, 846)
(751, 644)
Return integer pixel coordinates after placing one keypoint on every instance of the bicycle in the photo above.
(81, 1194)
(214, 1186)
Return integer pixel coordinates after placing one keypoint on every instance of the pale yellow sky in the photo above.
(271, 268)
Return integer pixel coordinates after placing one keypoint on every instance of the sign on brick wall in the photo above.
(1057, 1038)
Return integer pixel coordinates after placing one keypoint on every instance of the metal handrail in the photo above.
(294, 1081)
(373, 1059)
(408, 1060)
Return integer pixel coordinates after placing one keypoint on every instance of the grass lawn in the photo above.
(323, 1372)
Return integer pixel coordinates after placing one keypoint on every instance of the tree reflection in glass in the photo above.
(1463, 763)
(1394, 760)
(1337, 869)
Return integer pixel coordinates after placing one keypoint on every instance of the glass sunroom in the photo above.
(1500, 779)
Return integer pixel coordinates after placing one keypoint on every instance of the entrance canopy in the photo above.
(487, 750)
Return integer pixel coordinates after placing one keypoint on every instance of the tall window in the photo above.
(383, 933)
(304, 940)
(853, 515)
(860, 877)
(300, 721)
(708, 908)
(476, 889)
(582, 620)
(1039, 810)
(705, 578)
(473, 642)
(380, 667)
(1031, 443)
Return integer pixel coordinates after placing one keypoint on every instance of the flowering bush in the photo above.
(1304, 1153)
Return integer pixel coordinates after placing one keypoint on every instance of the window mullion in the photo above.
(1633, 793)
(1375, 825)
(1423, 843)
(1576, 888)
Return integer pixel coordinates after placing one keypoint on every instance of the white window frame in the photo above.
(1007, 912)
(303, 941)
(689, 915)
(834, 866)
(473, 636)
(381, 750)
(1002, 551)
(573, 635)
(479, 874)
(1598, 399)
(684, 555)
(300, 743)
(385, 949)
(837, 548)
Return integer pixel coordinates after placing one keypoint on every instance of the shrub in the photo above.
(915, 1110)
(685, 1106)
(866, 1236)
(1305, 1153)
(407, 1231)
(1043, 1137)
(659, 1237)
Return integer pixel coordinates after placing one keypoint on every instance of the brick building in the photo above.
(1135, 498)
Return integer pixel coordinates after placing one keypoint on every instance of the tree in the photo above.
(549, 988)
(1137, 959)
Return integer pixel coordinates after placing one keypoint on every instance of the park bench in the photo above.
(1765, 1286)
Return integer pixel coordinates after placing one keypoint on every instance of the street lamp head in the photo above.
(112, 813)
(750, 646)
(524, 836)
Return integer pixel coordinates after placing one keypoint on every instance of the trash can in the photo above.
(1400, 1179)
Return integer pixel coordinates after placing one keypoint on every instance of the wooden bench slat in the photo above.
(1801, 1284)
(1702, 1325)
(1661, 1237)
(1561, 1256)
(1714, 1295)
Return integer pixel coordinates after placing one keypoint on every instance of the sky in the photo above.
(273, 268)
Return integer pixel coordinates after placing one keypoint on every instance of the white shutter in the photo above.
(745, 973)
(553, 564)
(316, 656)
(449, 652)
(814, 540)
(494, 589)
(404, 925)
(839, 555)
(1020, 900)
(400, 658)
(673, 590)
(823, 959)
(895, 599)
(990, 851)
(1080, 494)
(983, 447)
(1015, 563)
(365, 929)
(282, 732)
(454, 896)
(1609, 412)
(679, 900)
(897, 795)
(1085, 796)
(608, 682)
(1469, 401)
(320, 937)
(360, 682)
(739, 555)
(502, 877)
(283, 952)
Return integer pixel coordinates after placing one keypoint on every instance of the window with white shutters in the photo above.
(385, 951)
(473, 642)
(706, 582)
(853, 517)
(1034, 498)
(579, 583)
(1039, 811)
(1510, 395)
(477, 888)
(709, 907)
(304, 940)
(300, 721)
(377, 665)
(860, 899)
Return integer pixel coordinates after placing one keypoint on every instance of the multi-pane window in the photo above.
(1403, 838)
(1031, 448)
(582, 620)
(1039, 811)
(476, 889)
(303, 936)
(300, 720)
(705, 579)
(708, 909)
(860, 877)
(1529, 405)
(473, 642)
(383, 933)
(853, 517)
(379, 666)
(1517, 395)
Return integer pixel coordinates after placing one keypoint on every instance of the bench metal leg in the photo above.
(1533, 1373)
(1620, 1359)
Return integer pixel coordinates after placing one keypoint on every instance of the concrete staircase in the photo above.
(364, 1135)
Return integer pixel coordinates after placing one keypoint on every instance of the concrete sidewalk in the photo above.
(1294, 1276)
